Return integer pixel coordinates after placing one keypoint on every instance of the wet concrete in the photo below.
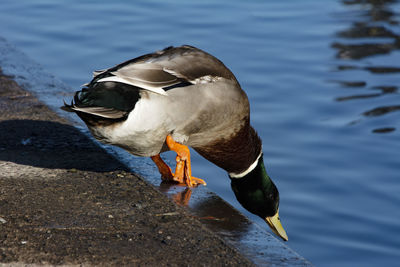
(64, 200)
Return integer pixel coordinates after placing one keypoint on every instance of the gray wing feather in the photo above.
(108, 113)
(169, 67)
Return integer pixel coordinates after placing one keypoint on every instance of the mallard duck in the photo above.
(175, 98)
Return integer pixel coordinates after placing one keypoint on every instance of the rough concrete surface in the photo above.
(65, 201)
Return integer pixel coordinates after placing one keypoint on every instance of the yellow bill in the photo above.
(275, 223)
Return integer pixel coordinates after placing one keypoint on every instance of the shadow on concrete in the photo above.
(52, 145)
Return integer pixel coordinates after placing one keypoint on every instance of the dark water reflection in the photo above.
(371, 34)
(208, 208)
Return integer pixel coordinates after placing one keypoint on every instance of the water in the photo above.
(322, 78)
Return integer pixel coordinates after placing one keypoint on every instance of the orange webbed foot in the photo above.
(183, 171)
(183, 174)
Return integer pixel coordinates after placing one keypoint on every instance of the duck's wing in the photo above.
(166, 69)
(113, 92)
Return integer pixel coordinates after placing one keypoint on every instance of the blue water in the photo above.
(322, 98)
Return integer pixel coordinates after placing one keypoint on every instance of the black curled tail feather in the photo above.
(68, 108)
(104, 103)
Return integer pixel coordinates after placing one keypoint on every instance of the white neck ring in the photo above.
(242, 174)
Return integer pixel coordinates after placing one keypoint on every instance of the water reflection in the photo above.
(371, 33)
(384, 90)
(379, 111)
(179, 194)
(208, 208)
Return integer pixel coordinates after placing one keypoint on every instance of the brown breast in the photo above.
(236, 153)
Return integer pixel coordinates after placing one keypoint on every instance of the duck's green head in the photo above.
(259, 195)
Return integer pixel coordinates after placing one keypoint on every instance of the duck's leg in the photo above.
(163, 168)
(183, 172)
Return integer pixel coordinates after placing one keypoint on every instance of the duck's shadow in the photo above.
(52, 145)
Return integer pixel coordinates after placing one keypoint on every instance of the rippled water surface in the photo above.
(323, 80)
